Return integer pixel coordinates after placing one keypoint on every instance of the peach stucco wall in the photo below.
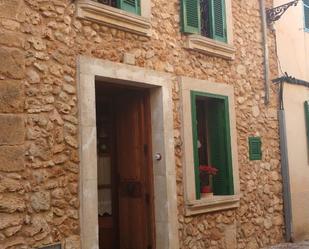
(293, 55)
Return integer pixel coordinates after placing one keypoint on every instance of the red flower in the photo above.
(208, 169)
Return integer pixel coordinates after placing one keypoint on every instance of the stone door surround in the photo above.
(92, 70)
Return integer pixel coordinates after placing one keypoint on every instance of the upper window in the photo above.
(306, 14)
(132, 6)
(127, 15)
(205, 17)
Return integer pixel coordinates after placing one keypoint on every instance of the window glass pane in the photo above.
(205, 18)
(105, 202)
(202, 131)
(108, 2)
(104, 153)
(306, 13)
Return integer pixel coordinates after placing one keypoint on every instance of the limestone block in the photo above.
(11, 204)
(40, 201)
(12, 158)
(10, 24)
(8, 220)
(60, 158)
(11, 185)
(11, 97)
(12, 63)
(41, 149)
(37, 43)
(11, 39)
(15, 242)
(230, 236)
(12, 230)
(10, 8)
(71, 141)
(72, 242)
(69, 88)
(12, 129)
(33, 77)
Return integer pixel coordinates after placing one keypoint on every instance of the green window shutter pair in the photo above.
(133, 6)
(306, 13)
(191, 18)
(219, 142)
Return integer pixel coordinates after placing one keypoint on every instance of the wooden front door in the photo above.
(134, 171)
(131, 222)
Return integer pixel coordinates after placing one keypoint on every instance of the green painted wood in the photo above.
(139, 7)
(218, 148)
(195, 149)
(255, 150)
(218, 20)
(191, 16)
(220, 142)
(306, 14)
(132, 6)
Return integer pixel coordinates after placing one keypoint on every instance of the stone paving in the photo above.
(299, 245)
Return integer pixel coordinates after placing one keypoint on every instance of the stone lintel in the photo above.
(113, 17)
(212, 47)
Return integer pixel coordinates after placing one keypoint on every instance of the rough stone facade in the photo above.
(39, 170)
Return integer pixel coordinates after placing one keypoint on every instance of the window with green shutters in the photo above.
(306, 14)
(132, 6)
(211, 143)
(204, 17)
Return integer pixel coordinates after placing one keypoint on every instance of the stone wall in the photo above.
(39, 169)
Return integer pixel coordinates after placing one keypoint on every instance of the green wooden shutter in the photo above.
(138, 7)
(307, 120)
(255, 150)
(132, 6)
(220, 150)
(191, 16)
(218, 20)
(306, 13)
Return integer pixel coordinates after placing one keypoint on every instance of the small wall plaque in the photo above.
(54, 246)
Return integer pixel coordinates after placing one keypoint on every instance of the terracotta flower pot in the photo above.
(206, 189)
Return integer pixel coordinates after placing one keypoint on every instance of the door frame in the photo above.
(160, 84)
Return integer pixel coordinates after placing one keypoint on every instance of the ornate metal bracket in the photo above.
(274, 14)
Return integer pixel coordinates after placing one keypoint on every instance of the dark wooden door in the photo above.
(134, 169)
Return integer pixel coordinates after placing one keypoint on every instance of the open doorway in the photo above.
(124, 165)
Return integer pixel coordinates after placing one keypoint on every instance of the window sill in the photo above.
(212, 204)
(211, 47)
(113, 17)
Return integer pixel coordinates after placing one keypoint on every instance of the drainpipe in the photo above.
(287, 204)
(265, 48)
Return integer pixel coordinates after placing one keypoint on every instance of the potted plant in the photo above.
(206, 174)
